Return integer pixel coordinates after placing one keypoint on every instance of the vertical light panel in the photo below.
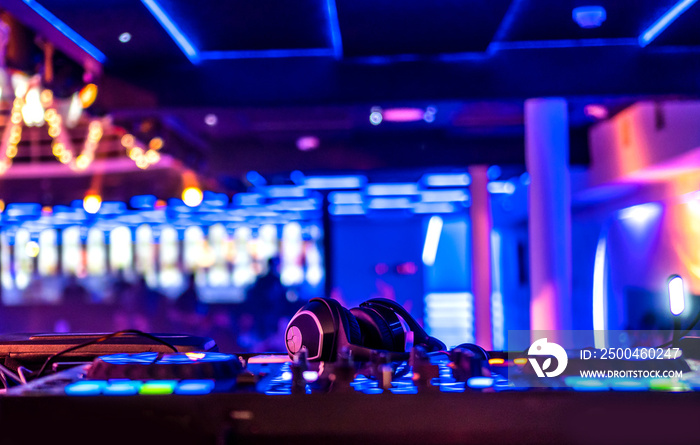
(170, 275)
(449, 317)
(497, 316)
(47, 261)
(600, 284)
(432, 239)
(292, 255)
(121, 249)
(145, 254)
(23, 263)
(96, 252)
(243, 272)
(218, 274)
(71, 252)
(5, 258)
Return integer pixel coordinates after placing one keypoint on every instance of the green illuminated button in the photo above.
(158, 387)
(667, 385)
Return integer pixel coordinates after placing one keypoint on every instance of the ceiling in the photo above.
(272, 71)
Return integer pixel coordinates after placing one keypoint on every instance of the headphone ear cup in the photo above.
(313, 327)
(354, 333)
(375, 331)
(381, 328)
(350, 325)
(421, 337)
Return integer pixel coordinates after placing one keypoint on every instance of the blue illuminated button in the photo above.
(193, 387)
(158, 387)
(374, 390)
(85, 388)
(122, 388)
(628, 385)
(452, 387)
(404, 389)
(584, 384)
(480, 382)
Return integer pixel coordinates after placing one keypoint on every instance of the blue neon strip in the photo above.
(664, 21)
(85, 388)
(196, 56)
(334, 24)
(567, 43)
(195, 387)
(67, 31)
(266, 54)
(172, 29)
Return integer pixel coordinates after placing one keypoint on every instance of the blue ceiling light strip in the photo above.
(67, 31)
(173, 30)
(334, 24)
(266, 54)
(566, 43)
(505, 25)
(196, 56)
(664, 21)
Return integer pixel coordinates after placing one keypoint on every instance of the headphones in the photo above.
(324, 327)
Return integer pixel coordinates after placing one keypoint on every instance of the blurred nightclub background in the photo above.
(207, 167)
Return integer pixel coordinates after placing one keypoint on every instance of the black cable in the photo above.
(684, 333)
(99, 340)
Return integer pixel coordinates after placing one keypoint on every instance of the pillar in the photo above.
(549, 208)
(480, 214)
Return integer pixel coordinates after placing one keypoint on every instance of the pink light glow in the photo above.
(307, 143)
(596, 111)
(403, 114)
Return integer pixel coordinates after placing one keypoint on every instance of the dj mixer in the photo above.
(431, 397)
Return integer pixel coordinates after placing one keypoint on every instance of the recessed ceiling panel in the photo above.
(244, 25)
(388, 27)
(103, 22)
(546, 20)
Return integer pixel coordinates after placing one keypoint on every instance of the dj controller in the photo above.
(451, 396)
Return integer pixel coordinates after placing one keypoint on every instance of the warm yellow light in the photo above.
(520, 361)
(496, 361)
(155, 144)
(32, 249)
(11, 151)
(47, 210)
(142, 163)
(92, 203)
(50, 114)
(65, 157)
(88, 95)
(195, 355)
(192, 196)
(54, 131)
(128, 141)
(2, 205)
(46, 97)
(57, 149)
(136, 153)
(16, 118)
(82, 162)
(152, 156)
